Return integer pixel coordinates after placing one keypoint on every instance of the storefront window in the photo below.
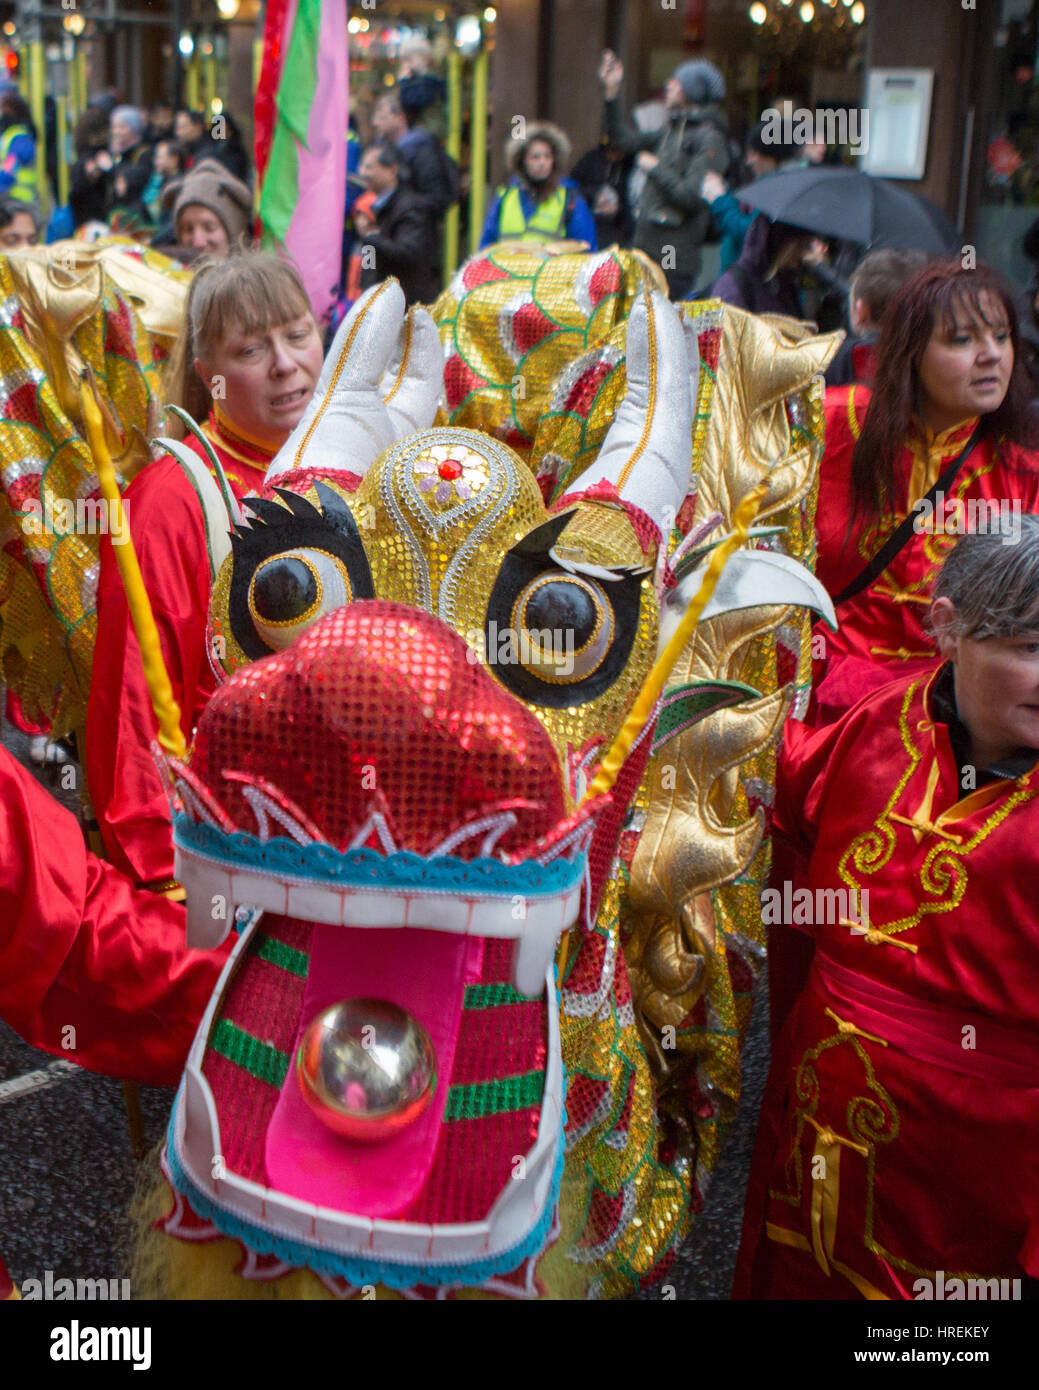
(1009, 130)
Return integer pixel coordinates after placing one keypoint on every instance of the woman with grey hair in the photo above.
(896, 1154)
(131, 170)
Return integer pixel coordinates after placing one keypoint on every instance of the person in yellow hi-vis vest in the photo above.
(538, 204)
(17, 150)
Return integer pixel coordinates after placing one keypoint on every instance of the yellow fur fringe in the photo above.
(166, 1268)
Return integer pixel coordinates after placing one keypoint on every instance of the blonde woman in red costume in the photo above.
(246, 365)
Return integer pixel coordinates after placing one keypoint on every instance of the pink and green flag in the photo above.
(302, 110)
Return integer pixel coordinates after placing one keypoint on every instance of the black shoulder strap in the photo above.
(898, 538)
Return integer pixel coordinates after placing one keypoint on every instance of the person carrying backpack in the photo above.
(538, 204)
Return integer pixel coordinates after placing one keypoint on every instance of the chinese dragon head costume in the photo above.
(432, 629)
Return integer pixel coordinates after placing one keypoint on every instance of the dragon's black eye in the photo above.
(284, 589)
(562, 605)
(565, 626)
(556, 636)
(293, 563)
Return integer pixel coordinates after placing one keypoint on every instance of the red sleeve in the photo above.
(124, 785)
(802, 775)
(91, 969)
(804, 758)
(838, 560)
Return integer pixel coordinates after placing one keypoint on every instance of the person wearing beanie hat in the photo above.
(673, 218)
(538, 204)
(700, 81)
(213, 210)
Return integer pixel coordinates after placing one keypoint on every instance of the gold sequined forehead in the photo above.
(450, 476)
(438, 511)
(437, 514)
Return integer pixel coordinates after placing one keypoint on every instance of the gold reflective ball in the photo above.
(366, 1068)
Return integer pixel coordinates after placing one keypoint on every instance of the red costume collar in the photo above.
(219, 431)
(946, 443)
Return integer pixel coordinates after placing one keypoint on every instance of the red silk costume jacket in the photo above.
(81, 948)
(898, 1133)
(882, 634)
(168, 532)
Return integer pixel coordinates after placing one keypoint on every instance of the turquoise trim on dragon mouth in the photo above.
(358, 1269)
(402, 871)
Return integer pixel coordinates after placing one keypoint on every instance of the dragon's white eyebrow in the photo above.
(608, 573)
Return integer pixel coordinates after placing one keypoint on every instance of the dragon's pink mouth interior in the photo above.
(304, 1157)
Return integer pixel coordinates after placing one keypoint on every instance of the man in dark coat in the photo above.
(423, 160)
(396, 235)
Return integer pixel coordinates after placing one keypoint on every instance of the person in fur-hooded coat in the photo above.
(538, 203)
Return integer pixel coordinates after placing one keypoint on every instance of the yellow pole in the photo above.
(75, 106)
(171, 736)
(454, 149)
(61, 105)
(662, 667)
(257, 61)
(210, 62)
(478, 152)
(81, 79)
(192, 84)
(37, 104)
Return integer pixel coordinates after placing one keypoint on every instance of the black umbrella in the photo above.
(852, 206)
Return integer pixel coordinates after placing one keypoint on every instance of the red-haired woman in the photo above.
(951, 397)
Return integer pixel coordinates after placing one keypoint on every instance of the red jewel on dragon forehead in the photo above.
(451, 473)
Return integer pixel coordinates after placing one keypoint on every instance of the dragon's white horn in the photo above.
(347, 424)
(648, 452)
(413, 384)
(750, 579)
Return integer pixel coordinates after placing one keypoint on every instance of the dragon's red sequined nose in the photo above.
(379, 707)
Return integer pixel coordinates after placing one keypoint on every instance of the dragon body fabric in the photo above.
(115, 309)
(432, 628)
